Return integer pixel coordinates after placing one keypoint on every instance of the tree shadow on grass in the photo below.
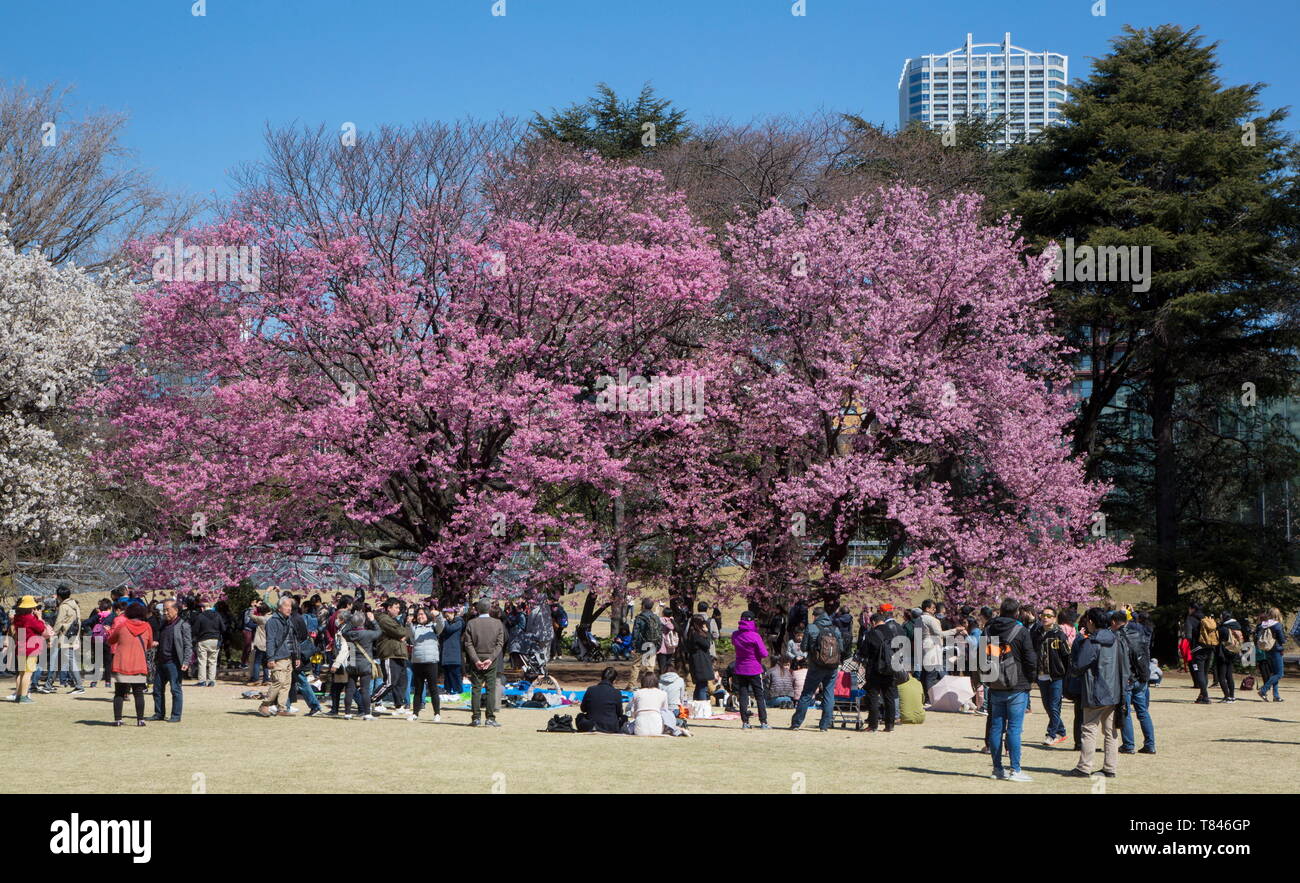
(917, 769)
(949, 749)
(1259, 741)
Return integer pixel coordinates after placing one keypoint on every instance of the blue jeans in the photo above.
(300, 687)
(65, 662)
(817, 677)
(170, 673)
(451, 678)
(1050, 692)
(260, 669)
(1139, 696)
(1006, 714)
(1274, 660)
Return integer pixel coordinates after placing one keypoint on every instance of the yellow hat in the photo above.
(27, 601)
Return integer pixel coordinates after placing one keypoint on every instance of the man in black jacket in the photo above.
(173, 657)
(1200, 654)
(208, 626)
(1135, 640)
(1053, 649)
(602, 706)
(878, 664)
(1008, 684)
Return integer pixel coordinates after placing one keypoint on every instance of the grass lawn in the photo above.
(223, 746)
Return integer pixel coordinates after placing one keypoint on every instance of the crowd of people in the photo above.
(395, 658)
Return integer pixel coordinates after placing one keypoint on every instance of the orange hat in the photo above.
(886, 608)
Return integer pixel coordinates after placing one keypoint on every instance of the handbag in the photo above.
(374, 666)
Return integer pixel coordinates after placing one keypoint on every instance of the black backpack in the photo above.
(654, 631)
(827, 652)
(1004, 671)
(560, 723)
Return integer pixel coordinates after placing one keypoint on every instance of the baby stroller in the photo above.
(847, 699)
(586, 648)
(536, 671)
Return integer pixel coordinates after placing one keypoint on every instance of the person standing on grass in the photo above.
(750, 653)
(279, 655)
(483, 648)
(449, 641)
(878, 663)
(1231, 636)
(360, 633)
(208, 627)
(129, 639)
(1067, 618)
(647, 633)
(1200, 651)
(1103, 671)
(559, 622)
(67, 639)
(393, 656)
(932, 634)
(175, 644)
(699, 654)
(303, 641)
(823, 644)
(97, 625)
(29, 633)
(1270, 638)
(258, 618)
(1053, 650)
(425, 645)
(339, 664)
(1135, 640)
(1011, 644)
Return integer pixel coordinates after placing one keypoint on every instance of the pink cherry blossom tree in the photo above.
(438, 409)
(899, 383)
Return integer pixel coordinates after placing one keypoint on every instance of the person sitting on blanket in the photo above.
(621, 646)
(602, 706)
(779, 683)
(649, 711)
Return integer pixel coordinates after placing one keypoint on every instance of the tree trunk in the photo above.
(1166, 498)
(8, 571)
(619, 603)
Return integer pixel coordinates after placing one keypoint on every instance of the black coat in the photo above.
(603, 705)
(876, 650)
(697, 650)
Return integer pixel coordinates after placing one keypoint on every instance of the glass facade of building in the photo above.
(1023, 88)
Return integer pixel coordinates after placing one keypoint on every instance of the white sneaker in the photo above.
(347, 717)
(293, 709)
(999, 774)
(367, 717)
(1018, 776)
(437, 718)
(413, 717)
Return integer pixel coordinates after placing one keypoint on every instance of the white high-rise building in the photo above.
(990, 80)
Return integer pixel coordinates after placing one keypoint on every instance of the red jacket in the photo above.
(129, 639)
(32, 628)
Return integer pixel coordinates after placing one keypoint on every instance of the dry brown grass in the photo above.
(66, 741)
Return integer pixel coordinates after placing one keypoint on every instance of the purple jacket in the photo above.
(750, 648)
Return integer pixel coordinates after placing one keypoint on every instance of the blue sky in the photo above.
(199, 90)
